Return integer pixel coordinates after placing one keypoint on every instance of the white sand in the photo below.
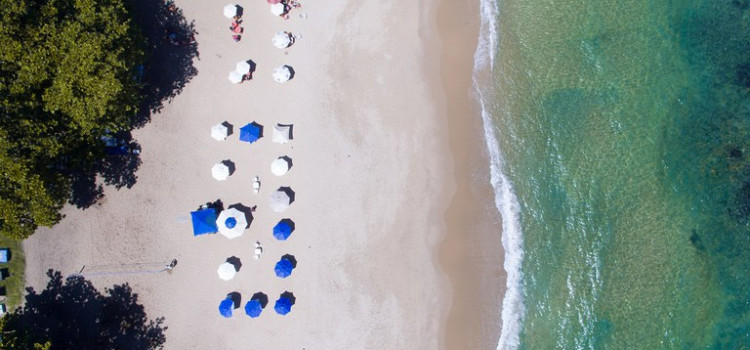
(371, 175)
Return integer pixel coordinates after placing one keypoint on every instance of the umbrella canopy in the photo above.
(279, 201)
(283, 305)
(282, 133)
(204, 221)
(236, 77)
(220, 171)
(278, 9)
(219, 132)
(225, 307)
(243, 67)
(231, 223)
(283, 230)
(226, 271)
(281, 40)
(282, 74)
(280, 166)
(230, 11)
(251, 132)
(253, 308)
(283, 268)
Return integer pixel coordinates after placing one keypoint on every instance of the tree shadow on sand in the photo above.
(71, 314)
(170, 50)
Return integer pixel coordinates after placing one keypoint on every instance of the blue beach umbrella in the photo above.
(251, 132)
(204, 221)
(283, 268)
(253, 308)
(283, 229)
(225, 307)
(283, 306)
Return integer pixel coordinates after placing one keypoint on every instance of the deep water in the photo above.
(624, 128)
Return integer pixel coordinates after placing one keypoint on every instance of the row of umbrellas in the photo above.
(232, 222)
(283, 268)
(251, 132)
(221, 171)
(278, 8)
(254, 307)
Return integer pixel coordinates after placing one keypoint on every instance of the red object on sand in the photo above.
(273, 2)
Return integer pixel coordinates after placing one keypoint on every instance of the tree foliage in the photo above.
(66, 79)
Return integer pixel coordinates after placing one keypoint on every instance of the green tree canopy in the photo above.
(66, 78)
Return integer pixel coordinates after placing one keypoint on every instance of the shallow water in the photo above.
(623, 127)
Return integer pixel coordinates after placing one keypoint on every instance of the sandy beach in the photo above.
(389, 173)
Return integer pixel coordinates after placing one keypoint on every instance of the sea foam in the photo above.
(505, 199)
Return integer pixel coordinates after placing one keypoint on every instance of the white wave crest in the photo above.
(505, 198)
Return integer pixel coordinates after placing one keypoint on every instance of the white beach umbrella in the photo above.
(230, 11)
(243, 67)
(220, 171)
(280, 166)
(281, 40)
(231, 223)
(226, 271)
(219, 132)
(278, 9)
(282, 133)
(279, 201)
(236, 77)
(282, 74)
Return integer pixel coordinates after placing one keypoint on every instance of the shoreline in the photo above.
(471, 253)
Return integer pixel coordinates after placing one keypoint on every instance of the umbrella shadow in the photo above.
(289, 192)
(262, 298)
(240, 11)
(288, 160)
(236, 298)
(230, 165)
(235, 261)
(216, 205)
(289, 295)
(252, 68)
(291, 259)
(291, 72)
(230, 127)
(245, 210)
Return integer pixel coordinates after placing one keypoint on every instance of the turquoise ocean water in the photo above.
(619, 133)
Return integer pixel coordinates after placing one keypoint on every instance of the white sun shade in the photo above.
(230, 11)
(219, 132)
(281, 40)
(226, 271)
(220, 171)
(282, 74)
(280, 166)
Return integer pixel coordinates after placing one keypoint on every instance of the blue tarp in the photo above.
(251, 132)
(282, 230)
(283, 268)
(4, 255)
(204, 221)
(225, 308)
(283, 306)
(253, 308)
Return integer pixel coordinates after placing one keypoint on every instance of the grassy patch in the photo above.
(14, 284)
